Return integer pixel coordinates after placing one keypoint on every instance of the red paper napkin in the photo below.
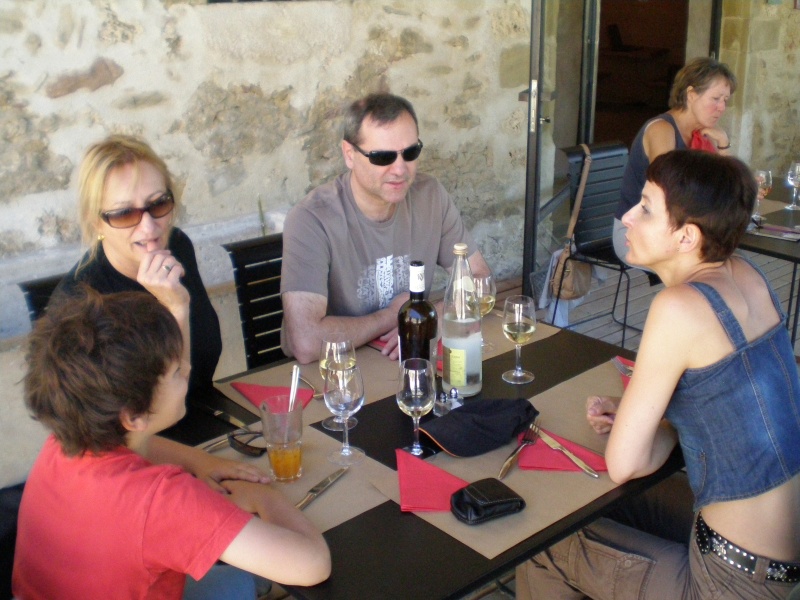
(258, 394)
(625, 379)
(701, 142)
(542, 457)
(423, 486)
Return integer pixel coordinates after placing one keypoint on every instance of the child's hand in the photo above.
(214, 470)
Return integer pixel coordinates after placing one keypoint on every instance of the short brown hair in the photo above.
(698, 74)
(714, 192)
(91, 356)
(383, 108)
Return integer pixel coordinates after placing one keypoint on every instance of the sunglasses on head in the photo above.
(384, 158)
(130, 217)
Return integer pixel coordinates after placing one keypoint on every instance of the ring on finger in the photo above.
(167, 268)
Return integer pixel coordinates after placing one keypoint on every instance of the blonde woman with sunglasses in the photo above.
(127, 210)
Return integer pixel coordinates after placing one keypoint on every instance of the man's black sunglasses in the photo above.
(130, 217)
(384, 158)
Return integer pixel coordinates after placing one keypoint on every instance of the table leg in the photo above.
(796, 305)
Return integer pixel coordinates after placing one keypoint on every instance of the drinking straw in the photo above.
(293, 392)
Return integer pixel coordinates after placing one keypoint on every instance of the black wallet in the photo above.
(485, 500)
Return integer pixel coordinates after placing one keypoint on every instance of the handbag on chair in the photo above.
(571, 279)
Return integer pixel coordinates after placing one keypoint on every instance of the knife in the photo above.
(556, 446)
(222, 415)
(321, 487)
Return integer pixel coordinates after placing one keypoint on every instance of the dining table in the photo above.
(380, 551)
(769, 242)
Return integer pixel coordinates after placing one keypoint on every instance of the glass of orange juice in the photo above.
(283, 432)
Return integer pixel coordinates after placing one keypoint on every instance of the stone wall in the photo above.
(243, 102)
(761, 41)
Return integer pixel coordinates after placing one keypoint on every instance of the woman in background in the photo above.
(716, 373)
(698, 98)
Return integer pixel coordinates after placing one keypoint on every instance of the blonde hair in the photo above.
(98, 163)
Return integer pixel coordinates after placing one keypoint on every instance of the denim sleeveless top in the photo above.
(633, 179)
(738, 420)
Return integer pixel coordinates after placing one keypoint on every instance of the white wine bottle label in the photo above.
(454, 366)
(416, 281)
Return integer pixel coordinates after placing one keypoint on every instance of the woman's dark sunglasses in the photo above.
(384, 158)
(130, 217)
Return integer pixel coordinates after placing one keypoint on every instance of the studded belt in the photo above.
(709, 540)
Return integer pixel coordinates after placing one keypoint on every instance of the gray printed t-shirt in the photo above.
(330, 248)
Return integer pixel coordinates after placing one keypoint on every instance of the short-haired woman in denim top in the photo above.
(715, 373)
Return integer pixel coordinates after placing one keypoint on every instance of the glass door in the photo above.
(561, 113)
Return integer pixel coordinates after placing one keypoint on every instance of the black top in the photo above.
(206, 339)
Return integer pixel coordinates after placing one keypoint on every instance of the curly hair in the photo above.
(714, 192)
(91, 356)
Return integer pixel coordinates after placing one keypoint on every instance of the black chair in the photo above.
(594, 228)
(257, 275)
(37, 293)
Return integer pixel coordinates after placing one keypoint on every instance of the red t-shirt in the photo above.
(116, 526)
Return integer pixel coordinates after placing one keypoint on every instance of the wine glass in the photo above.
(337, 351)
(764, 181)
(344, 395)
(486, 292)
(519, 323)
(416, 393)
(793, 178)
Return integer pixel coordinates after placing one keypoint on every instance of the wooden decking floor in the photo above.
(601, 296)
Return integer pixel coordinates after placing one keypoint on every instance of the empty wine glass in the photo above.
(519, 323)
(486, 292)
(793, 179)
(416, 393)
(344, 395)
(336, 350)
(764, 181)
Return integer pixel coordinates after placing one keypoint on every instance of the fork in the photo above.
(622, 367)
(528, 439)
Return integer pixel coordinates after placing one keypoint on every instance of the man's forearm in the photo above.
(305, 324)
(305, 342)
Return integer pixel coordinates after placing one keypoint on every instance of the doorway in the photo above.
(642, 45)
(569, 104)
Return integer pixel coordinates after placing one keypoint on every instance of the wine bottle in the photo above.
(461, 330)
(417, 322)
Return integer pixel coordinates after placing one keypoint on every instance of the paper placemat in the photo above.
(549, 496)
(380, 373)
(350, 496)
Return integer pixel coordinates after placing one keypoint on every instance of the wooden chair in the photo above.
(257, 274)
(594, 228)
(37, 294)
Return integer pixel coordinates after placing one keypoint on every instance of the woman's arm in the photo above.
(640, 440)
(165, 284)
(659, 138)
(719, 138)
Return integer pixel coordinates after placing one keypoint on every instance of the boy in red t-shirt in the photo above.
(106, 512)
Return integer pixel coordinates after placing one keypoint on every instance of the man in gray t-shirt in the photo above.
(347, 245)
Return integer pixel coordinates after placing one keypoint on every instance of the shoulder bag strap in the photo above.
(587, 164)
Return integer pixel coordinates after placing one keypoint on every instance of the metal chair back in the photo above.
(37, 294)
(595, 225)
(257, 275)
